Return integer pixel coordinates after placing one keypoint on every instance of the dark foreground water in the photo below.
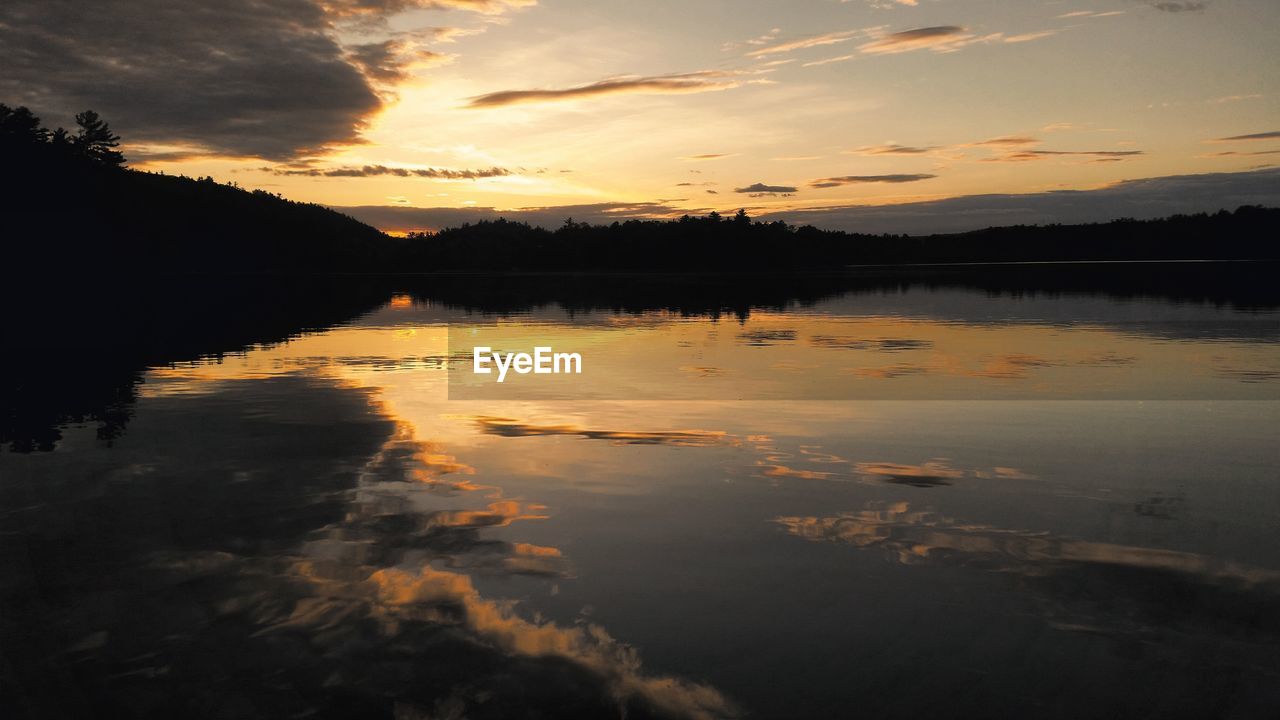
(907, 501)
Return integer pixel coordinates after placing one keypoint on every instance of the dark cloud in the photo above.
(863, 179)
(238, 76)
(1142, 199)
(385, 7)
(390, 61)
(1273, 135)
(762, 189)
(378, 60)
(697, 82)
(383, 170)
(231, 77)
(707, 156)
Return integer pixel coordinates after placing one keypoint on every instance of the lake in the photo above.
(968, 495)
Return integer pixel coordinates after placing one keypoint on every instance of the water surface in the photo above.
(923, 501)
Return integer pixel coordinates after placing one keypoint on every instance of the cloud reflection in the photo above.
(1084, 585)
(508, 427)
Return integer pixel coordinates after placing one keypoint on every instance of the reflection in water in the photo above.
(914, 536)
(312, 529)
(279, 567)
(934, 472)
(448, 597)
(821, 465)
(922, 347)
(507, 427)
(1083, 583)
(881, 345)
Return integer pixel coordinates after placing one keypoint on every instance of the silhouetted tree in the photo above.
(20, 126)
(95, 139)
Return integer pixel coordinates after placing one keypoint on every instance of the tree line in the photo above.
(21, 132)
(130, 221)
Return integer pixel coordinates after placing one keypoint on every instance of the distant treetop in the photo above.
(21, 132)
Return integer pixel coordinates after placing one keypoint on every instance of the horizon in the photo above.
(905, 116)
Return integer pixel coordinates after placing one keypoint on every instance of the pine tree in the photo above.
(95, 139)
(21, 126)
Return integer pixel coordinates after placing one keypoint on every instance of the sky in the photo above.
(877, 115)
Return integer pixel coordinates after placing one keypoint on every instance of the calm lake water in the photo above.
(910, 502)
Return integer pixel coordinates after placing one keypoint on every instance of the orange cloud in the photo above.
(1007, 141)
(942, 37)
(889, 149)
(698, 82)
(814, 41)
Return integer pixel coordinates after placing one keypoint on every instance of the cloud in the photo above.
(1097, 155)
(1090, 14)
(708, 156)
(759, 189)
(1027, 37)
(1141, 199)
(889, 149)
(349, 8)
(1007, 141)
(224, 77)
(1234, 153)
(863, 179)
(1177, 7)
(765, 38)
(391, 61)
(1234, 98)
(383, 170)
(942, 37)
(238, 77)
(828, 61)
(807, 42)
(697, 82)
(1272, 135)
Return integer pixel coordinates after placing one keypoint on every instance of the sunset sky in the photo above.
(617, 109)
